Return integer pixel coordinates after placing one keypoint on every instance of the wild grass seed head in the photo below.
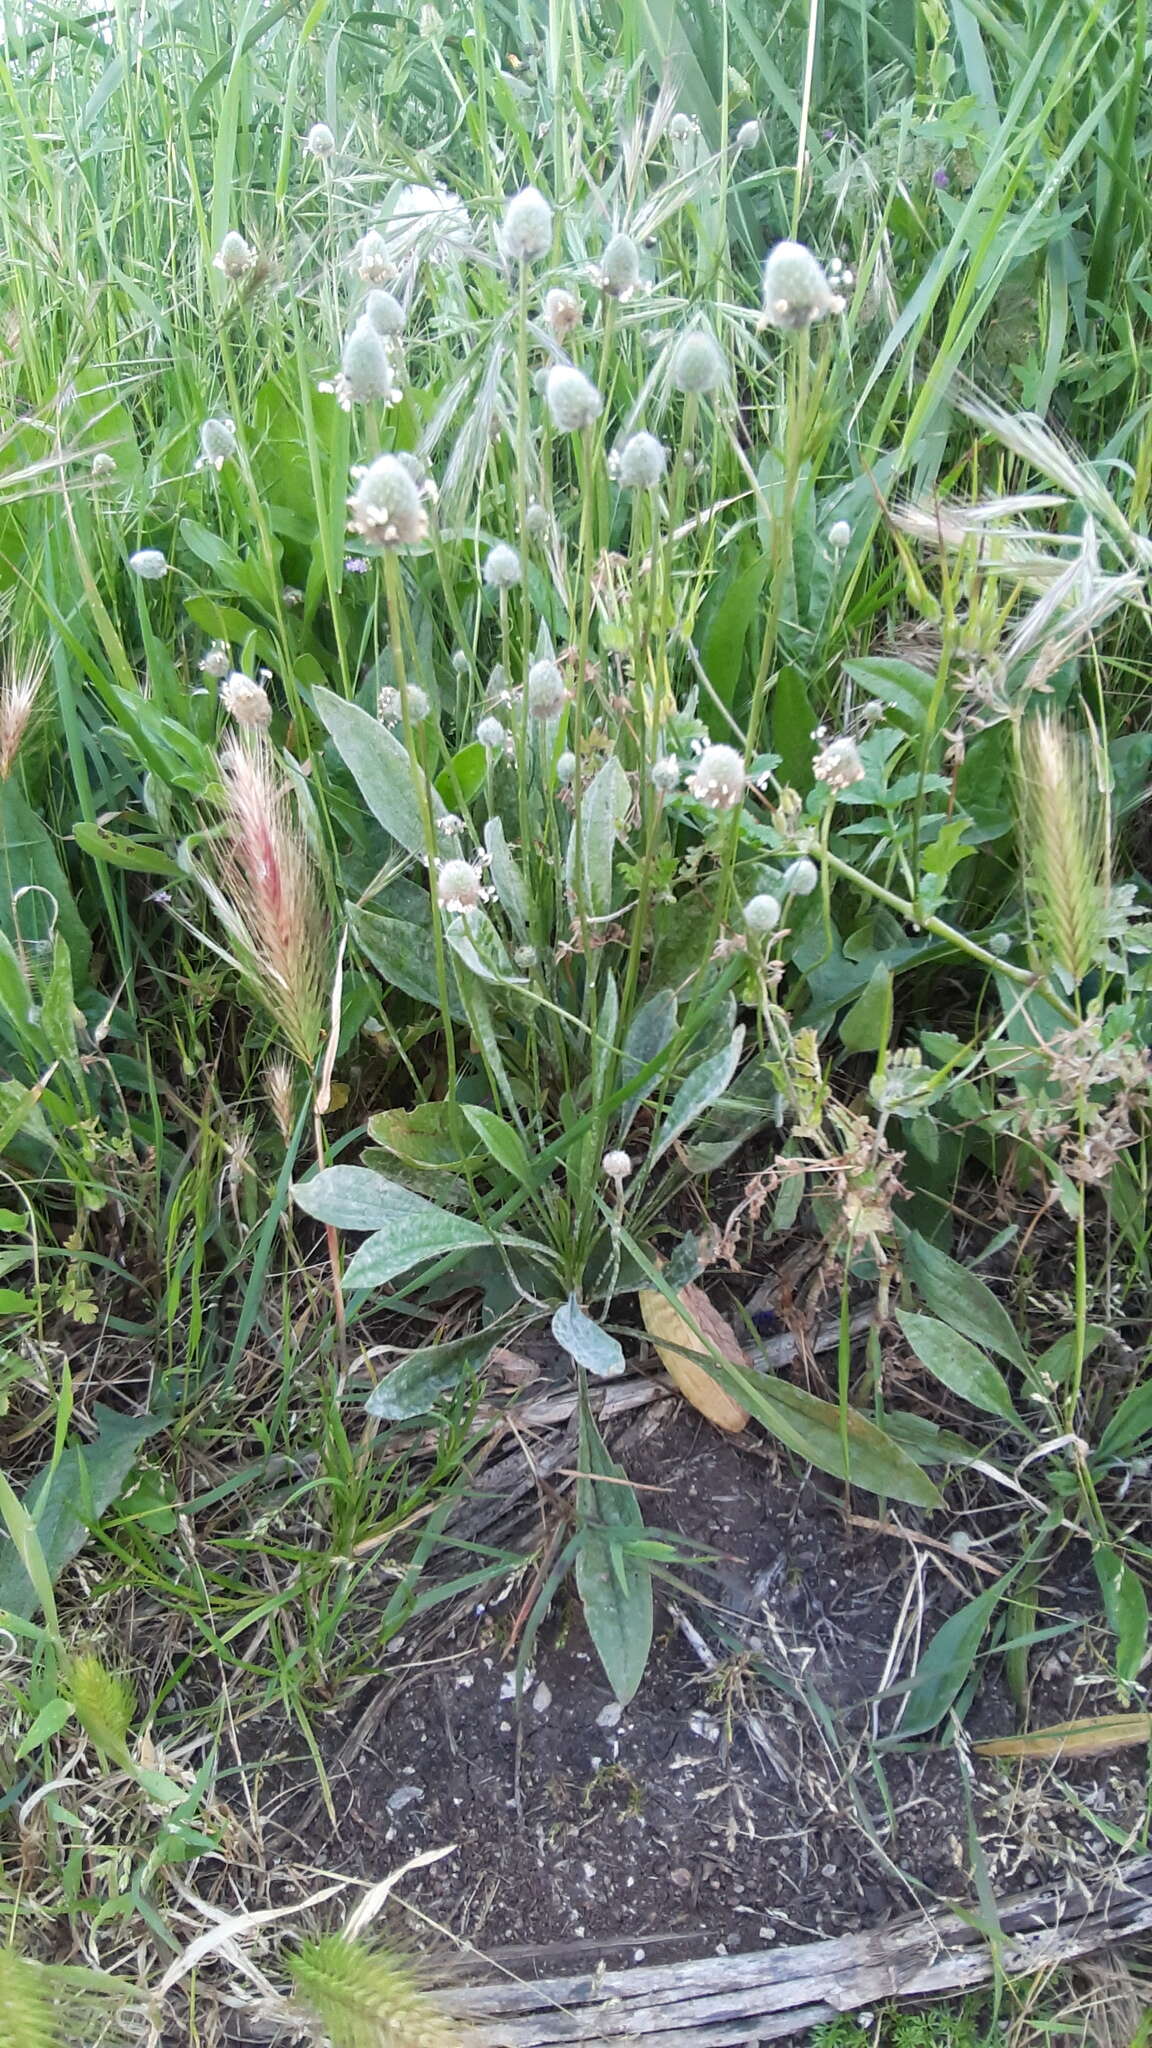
(1063, 844)
(20, 686)
(103, 1701)
(268, 893)
(364, 1996)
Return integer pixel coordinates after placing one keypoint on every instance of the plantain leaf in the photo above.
(67, 1498)
(614, 1583)
(416, 1384)
(381, 767)
(958, 1365)
(947, 1662)
(959, 1298)
(500, 1139)
(407, 1228)
(699, 1092)
(815, 1430)
(603, 809)
(585, 1341)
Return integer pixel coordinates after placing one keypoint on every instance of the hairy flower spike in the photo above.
(748, 135)
(460, 886)
(246, 701)
(267, 894)
(526, 230)
(697, 364)
(616, 1166)
(217, 662)
(503, 568)
(366, 374)
(281, 1096)
(150, 564)
(796, 291)
(492, 734)
(620, 267)
(103, 1701)
(234, 257)
(386, 508)
(718, 779)
(800, 877)
(390, 705)
(665, 774)
(103, 466)
(217, 443)
(562, 312)
(320, 141)
(383, 311)
(371, 259)
(547, 695)
(641, 463)
(762, 914)
(573, 401)
(839, 764)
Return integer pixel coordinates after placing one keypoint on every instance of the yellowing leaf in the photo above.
(674, 1336)
(337, 1097)
(1075, 1738)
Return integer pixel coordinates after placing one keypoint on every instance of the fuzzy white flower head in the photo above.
(620, 267)
(461, 662)
(566, 768)
(748, 135)
(665, 774)
(246, 701)
(839, 535)
(796, 291)
(371, 259)
(537, 524)
(390, 704)
(697, 364)
(616, 1165)
(103, 466)
(641, 463)
(492, 734)
(839, 764)
(547, 695)
(503, 568)
(762, 914)
(428, 221)
(460, 886)
(449, 825)
(320, 141)
(681, 128)
(234, 257)
(366, 375)
(562, 312)
(149, 564)
(217, 443)
(385, 508)
(217, 662)
(800, 877)
(573, 401)
(526, 229)
(718, 779)
(383, 311)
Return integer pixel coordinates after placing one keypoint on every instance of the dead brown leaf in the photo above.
(1074, 1738)
(673, 1336)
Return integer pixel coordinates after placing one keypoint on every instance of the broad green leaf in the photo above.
(900, 684)
(585, 1341)
(958, 1365)
(793, 722)
(500, 1139)
(947, 1663)
(407, 1228)
(52, 1717)
(20, 1113)
(385, 774)
(867, 1025)
(959, 1298)
(476, 941)
(1126, 1605)
(116, 850)
(28, 860)
(1055, 1365)
(652, 1028)
(699, 1092)
(816, 1431)
(65, 1499)
(15, 996)
(413, 1387)
(424, 1136)
(1132, 1423)
(615, 1586)
(58, 1014)
(507, 878)
(402, 953)
(458, 783)
(603, 809)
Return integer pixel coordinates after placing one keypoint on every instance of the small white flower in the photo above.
(617, 1165)
(839, 535)
(492, 734)
(526, 230)
(460, 886)
(234, 257)
(320, 141)
(762, 913)
(800, 878)
(103, 466)
(503, 568)
(681, 128)
(796, 291)
(525, 958)
(383, 311)
(547, 695)
(839, 764)
(641, 463)
(461, 662)
(217, 443)
(665, 774)
(386, 508)
(697, 364)
(449, 824)
(292, 597)
(562, 312)
(217, 662)
(366, 375)
(620, 267)
(718, 779)
(1000, 943)
(149, 564)
(573, 401)
(537, 524)
(748, 135)
(246, 701)
(566, 768)
(371, 259)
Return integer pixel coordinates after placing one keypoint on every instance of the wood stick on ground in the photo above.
(729, 2001)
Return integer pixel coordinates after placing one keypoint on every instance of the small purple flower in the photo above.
(941, 180)
(355, 565)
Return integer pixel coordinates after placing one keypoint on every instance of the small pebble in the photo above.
(609, 1716)
(405, 1795)
(542, 1698)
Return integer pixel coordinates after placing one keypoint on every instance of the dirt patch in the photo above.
(728, 1807)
